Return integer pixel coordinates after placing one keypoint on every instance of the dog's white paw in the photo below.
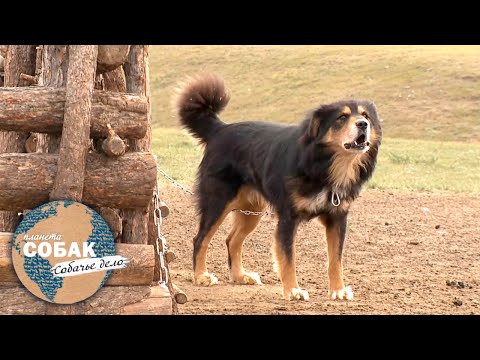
(296, 294)
(206, 279)
(248, 278)
(343, 294)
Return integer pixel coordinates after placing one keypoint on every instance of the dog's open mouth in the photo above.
(360, 143)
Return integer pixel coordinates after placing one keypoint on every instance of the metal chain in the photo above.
(245, 212)
(160, 242)
(174, 182)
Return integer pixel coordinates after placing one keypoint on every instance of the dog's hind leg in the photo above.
(214, 205)
(336, 226)
(243, 225)
(284, 258)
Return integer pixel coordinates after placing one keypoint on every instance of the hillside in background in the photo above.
(422, 92)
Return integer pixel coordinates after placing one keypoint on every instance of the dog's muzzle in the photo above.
(361, 141)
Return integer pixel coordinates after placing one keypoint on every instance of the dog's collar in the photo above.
(335, 200)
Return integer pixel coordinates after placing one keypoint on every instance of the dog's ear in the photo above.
(315, 121)
(371, 109)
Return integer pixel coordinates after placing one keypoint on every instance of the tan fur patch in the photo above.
(310, 204)
(361, 110)
(347, 111)
(345, 168)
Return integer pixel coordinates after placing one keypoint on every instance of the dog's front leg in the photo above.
(284, 258)
(336, 227)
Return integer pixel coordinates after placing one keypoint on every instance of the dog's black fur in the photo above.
(279, 162)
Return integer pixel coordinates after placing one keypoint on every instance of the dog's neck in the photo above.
(344, 172)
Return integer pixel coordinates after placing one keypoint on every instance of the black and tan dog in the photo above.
(311, 170)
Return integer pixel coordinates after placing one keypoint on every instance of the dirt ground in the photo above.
(406, 253)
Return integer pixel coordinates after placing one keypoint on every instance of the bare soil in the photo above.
(406, 253)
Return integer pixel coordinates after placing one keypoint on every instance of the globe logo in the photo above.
(63, 252)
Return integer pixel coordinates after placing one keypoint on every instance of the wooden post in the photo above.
(54, 73)
(20, 59)
(115, 81)
(135, 230)
(76, 124)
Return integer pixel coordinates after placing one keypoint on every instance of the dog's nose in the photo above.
(362, 124)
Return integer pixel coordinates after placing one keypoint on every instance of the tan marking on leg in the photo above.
(287, 272)
(336, 286)
(202, 277)
(243, 225)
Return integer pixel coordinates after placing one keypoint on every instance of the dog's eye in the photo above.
(342, 117)
(365, 115)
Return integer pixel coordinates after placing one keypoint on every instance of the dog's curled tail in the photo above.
(197, 101)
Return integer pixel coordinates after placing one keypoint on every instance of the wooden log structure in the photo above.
(41, 109)
(64, 122)
(125, 182)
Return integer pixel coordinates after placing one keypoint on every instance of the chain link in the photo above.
(174, 182)
(245, 212)
(161, 242)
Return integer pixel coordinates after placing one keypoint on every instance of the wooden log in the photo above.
(113, 220)
(2, 64)
(69, 179)
(126, 182)
(115, 80)
(111, 57)
(180, 296)
(139, 270)
(20, 59)
(169, 256)
(109, 300)
(41, 110)
(31, 143)
(7, 272)
(53, 73)
(135, 222)
(113, 145)
(31, 80)
(164, 209)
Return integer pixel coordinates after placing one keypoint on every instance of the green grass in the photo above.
(402, 164)
(422, 92)
(427, 96)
